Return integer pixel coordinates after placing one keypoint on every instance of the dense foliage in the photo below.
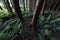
(3, 13)
(9, 29)
(47, 27)
(13, 27)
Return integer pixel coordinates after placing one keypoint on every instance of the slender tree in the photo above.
(17, 9)
(7, 5)
(27, 4)
(55, 5)
(37, 12)
(43, 8)
(34, 3)
(58, 6)
(24, 5)
(11, 1)
(31, 5)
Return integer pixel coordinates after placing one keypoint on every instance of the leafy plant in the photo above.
(47, 27)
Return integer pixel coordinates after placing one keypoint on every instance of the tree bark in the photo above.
(34, 3)
(35, 18)
(37, 12)
(11, 1)
(43, 8)
(31, 5)
(55, 5)
(7, 5)
(17, 9)
(24, 5)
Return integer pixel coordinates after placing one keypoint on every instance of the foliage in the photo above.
(12, 26)
(47, 27)
(4, 12)
(9, 29)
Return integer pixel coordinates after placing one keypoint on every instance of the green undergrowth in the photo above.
(11, 27)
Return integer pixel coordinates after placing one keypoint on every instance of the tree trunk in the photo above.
(35, 18)
(43, 8)
(34, 3)
(27, 4)
(7, 5)
(17, 9)
(37, 12)
(24, 5)
(11, 1)
(31, 5)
